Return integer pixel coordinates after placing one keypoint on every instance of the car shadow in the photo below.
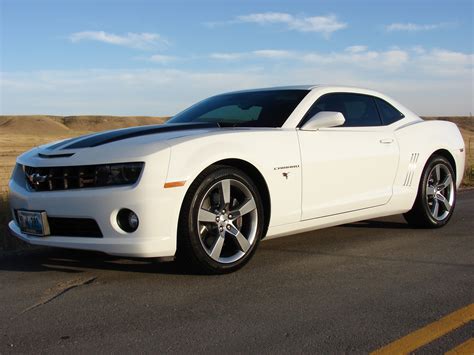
(378, 224)
(78, 261)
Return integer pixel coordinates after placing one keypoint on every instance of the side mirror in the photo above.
(324, 119)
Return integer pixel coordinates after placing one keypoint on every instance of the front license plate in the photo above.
(33, 222)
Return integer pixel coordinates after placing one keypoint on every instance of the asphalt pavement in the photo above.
(347, 289)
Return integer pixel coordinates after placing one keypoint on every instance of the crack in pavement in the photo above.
(59, 290)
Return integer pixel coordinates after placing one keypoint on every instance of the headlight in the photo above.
(118, 174)
(77, 177)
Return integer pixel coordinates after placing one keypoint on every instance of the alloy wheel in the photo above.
(227, 221)
(440, 192)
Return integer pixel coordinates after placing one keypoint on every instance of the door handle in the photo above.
(386, 141)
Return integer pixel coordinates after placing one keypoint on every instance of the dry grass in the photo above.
(20, 133)
(466, 126)
(469, 173)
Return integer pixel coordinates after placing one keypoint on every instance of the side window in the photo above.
(358, 110)
(388, 113)
(328, 102)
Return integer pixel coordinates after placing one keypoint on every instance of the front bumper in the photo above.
(157, 209)
(142, 248)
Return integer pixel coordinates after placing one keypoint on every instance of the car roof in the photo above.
(320, 89)
(301, 87)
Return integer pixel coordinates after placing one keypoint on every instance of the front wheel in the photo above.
(221, 221)
(434, 204)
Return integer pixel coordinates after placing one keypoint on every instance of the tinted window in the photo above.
(233, 113)
(269, 108)
(388, 113)
(358, 110)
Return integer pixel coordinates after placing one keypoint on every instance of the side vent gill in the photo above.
(411, 169)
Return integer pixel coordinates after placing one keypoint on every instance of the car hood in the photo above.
(98, 139)
(119, 145)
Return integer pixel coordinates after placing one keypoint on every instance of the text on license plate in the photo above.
(33, 222)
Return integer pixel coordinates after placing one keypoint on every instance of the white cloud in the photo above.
(356, 49)
(434, 62)
(227, 56)
(418, 49)
(355, 56)
(261, 53)
(131, 40)
(119, 92)
(384, 61)
(320, 24)
(267, 17)
(273, 53)
(428, 81)
(456, 58)
(442, 62)
(162, 59)
(414, 27)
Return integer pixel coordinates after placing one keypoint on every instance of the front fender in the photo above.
(267, 150)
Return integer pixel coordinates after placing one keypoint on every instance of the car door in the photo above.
(350, 167)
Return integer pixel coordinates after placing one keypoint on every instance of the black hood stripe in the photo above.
(67, 141)
(95, 140)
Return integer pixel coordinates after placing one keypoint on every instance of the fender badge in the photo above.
(286, 167)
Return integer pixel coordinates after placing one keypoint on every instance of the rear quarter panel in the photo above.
(417, 142)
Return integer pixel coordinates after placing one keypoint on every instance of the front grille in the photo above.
(60, 178)
(76, 177)
(74, 227)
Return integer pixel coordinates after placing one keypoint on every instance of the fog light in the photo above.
(127, 220)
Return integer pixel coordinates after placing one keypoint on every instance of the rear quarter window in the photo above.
(388, 113)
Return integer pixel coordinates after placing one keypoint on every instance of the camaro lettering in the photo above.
(286, 167)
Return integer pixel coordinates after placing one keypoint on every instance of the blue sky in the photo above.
(157, 57)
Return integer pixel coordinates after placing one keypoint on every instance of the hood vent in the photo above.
(50, 156)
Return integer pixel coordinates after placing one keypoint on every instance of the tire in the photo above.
(436, 198)
(221, 221)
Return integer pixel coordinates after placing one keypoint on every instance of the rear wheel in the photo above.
(434, 204)
(221, 221)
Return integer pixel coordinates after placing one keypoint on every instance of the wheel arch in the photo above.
(446, 154)
(439, 152)
(256, 177)
(418, 215)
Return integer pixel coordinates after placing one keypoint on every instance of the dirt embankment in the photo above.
(64, 125)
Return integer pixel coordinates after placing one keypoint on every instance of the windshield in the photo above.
(269, 108)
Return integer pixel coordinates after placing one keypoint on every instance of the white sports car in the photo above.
(236, 168)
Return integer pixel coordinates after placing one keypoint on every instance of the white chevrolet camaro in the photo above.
(234, 169)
